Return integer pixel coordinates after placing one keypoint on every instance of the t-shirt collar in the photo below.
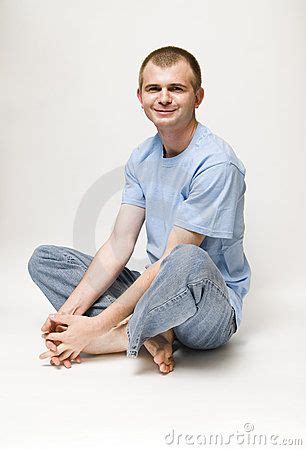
(200, 130)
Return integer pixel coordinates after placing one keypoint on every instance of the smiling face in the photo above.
(167, 95)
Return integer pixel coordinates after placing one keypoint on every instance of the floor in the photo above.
(253, 386)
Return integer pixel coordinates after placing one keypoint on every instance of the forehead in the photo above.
(180, 72)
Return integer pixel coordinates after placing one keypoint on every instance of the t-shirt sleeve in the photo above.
(211, 206)
(132, 192)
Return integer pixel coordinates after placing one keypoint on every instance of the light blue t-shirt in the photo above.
(202, 190)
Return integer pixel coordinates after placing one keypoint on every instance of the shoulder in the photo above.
(213, 150)
(144, 151)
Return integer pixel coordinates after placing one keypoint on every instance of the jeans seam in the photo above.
(179, 295)
(132, 352)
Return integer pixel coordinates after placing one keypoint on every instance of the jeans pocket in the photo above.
(233, 325)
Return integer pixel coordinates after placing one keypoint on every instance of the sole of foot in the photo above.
(160, 347)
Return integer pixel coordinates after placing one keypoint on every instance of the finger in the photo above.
(51, 346)
(67, 363)
(65, 355)
(56, 361)
(56, 336)
(60, 349)
(60, 328)
(48, 354)
(47, 325)
(74, 355)
(77, 359)
(62, 318)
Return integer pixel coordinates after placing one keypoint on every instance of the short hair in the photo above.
(167, 57)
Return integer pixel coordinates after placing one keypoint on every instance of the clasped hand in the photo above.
(79, 331)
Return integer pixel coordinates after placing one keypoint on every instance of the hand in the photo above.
(81, 330)
(54, 360)
(48, 327)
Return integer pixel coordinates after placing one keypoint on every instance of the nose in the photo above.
(165, 97)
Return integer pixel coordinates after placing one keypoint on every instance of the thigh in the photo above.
(123, 281)
(57, 270)
(83, 260)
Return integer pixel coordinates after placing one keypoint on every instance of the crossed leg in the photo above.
(57, 271)
(188, 295)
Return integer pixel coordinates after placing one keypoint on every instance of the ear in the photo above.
(139, 96)
(199, 97)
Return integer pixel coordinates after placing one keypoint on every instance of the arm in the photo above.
(108, 262)
(126, 303)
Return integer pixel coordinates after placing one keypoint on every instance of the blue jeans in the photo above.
(188, 295)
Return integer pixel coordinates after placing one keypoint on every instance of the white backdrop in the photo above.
(70, 112)
(70, 115)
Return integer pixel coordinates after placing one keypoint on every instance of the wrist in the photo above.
(67, 310)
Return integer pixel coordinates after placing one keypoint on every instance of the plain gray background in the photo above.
(70, 116)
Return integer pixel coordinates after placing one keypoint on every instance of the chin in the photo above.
(164, 121)
(160, 121)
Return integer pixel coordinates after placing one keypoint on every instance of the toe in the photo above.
(159, 358)
(168, 359)
(163, 368)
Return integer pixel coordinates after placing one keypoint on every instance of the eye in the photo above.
(177, 88)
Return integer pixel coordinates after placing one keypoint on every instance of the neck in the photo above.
(175, 140)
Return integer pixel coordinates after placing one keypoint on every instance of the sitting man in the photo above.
(188, 185)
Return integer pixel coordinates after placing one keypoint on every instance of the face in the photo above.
(167, 95)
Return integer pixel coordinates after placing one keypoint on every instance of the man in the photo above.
(188, 185)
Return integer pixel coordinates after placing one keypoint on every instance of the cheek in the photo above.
(188, 103)
(148, 102)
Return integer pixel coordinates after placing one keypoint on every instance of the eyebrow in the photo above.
(171, 84)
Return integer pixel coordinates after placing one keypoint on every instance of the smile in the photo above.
(161, 111)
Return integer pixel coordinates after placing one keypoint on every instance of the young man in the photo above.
(188, 185)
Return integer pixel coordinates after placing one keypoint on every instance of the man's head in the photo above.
(170, 87)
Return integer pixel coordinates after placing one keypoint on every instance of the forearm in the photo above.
(105, 267)
(125, 304)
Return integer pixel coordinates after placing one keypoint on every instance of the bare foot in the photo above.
(114, 341)
(160, 347)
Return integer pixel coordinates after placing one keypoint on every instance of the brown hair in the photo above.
(167, 57)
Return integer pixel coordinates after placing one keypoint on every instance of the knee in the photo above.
(188, 253)
(41, 252)
(187, 257)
